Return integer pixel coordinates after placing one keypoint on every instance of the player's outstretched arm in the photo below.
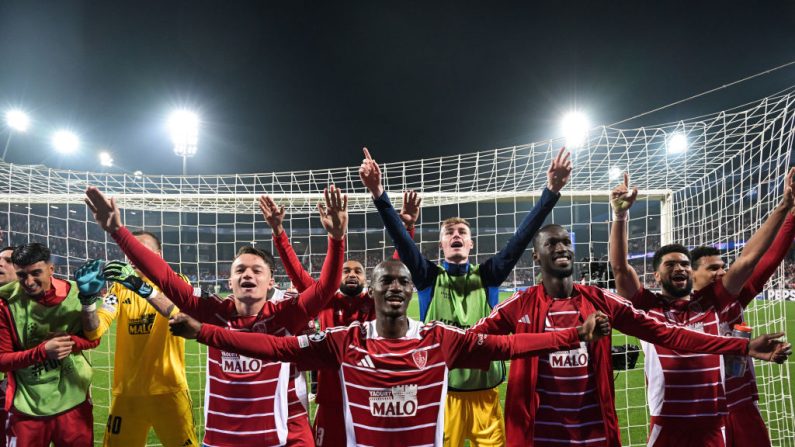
(627, 282)
(759, 243)
(476, 350)
(274, 215)
(770, 261)
(107, 215)
(632, 321)
(409, 214)
(262, 346)
(496, 269)
(423, 272)
(334, 218)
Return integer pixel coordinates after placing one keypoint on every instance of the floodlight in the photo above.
(676, 143)
(65, 141)
(17, 120)
(184, 128)
(105, 159)
(138, 174)
(575, 127)
(615, 173)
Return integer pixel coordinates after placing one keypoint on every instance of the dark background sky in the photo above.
(300, 85)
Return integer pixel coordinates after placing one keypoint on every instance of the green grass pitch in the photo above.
(629, 386)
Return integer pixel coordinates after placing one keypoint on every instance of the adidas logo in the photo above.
(525, 319)
(127, 301)
(367, 362)
(187, 442)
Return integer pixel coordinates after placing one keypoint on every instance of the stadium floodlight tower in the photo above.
(65, 141)
(17, 121)
(575, 126)
(676, 143)
(105, 159)
(184, 128)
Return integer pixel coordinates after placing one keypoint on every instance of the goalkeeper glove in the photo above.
(89, 281)
(124, 274)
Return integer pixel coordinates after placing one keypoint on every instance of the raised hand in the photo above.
(621, 197)
(789, 189)
(559, 171)
(370, 174)
(105, 211)
(124, 274)
(410, 211)
(89, 281)
(595, 327)
(57, 348)
(334, 215)
(184, 326)
(273, 214)
(769, 348)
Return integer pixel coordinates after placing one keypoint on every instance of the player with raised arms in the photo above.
(394, 369)
(150, 389)
(249, 402)
(686, 395)
(460, 293)
(567, 397)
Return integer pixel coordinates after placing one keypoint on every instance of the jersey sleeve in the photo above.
(307, 354)
(500, 321)
(297, 311)
(496, 269)
(81, 344)
(301, 279)
(107, 312)
(10, 359)
(423, 271)
(644, 299)
(632, 321)
(476, 350)
(183, 295)
(769, 262)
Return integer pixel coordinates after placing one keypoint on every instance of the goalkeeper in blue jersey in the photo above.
(460, 293)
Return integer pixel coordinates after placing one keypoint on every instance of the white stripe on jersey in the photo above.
(240, 399)
(395, 429)
(681, 356)
(698, 385)
(393, 354)
(562, 393)
(691, 370)
(227, 432)
(561, 424)
(563, 377)
(239, 415)
(405, 371)
(244, 383)
(568, 409)
(569, 441)
(563, 312)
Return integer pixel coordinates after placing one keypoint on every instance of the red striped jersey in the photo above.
(248, 401)
(684, 385)
(739, 390)
(568, 411)
(342, 310)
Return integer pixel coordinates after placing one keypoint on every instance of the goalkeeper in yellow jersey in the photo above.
(149, 384)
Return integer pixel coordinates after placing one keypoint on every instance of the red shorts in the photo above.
(745, 427)
(665, 433)
(330, 425)
(72, 428)
(299, 433)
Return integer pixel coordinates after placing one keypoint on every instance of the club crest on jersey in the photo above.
(239, 364)
(260, 326)
(420, 358)
(398, 401)
(573, 358)
(317, 337)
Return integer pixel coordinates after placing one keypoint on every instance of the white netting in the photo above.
(718, 191)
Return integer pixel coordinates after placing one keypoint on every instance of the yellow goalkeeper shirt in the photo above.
(148, 359)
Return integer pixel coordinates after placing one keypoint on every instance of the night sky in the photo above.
(302, 85)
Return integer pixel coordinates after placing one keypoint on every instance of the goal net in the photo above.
(717, 191)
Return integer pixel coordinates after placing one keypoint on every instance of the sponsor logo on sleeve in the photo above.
(398, 401)
(110, 302)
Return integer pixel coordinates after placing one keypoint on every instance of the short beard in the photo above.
(351, 290)
(563, 272)
(669, 287)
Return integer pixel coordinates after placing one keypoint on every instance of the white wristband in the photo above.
(152, 295)
(621, 217)
(90, 308)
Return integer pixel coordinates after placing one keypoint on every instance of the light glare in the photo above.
(138, 174)
(18, 120)
(615, 173)
(677, 143)
(65, 141)
(184, 128)
(575, 127)
(105, 159)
